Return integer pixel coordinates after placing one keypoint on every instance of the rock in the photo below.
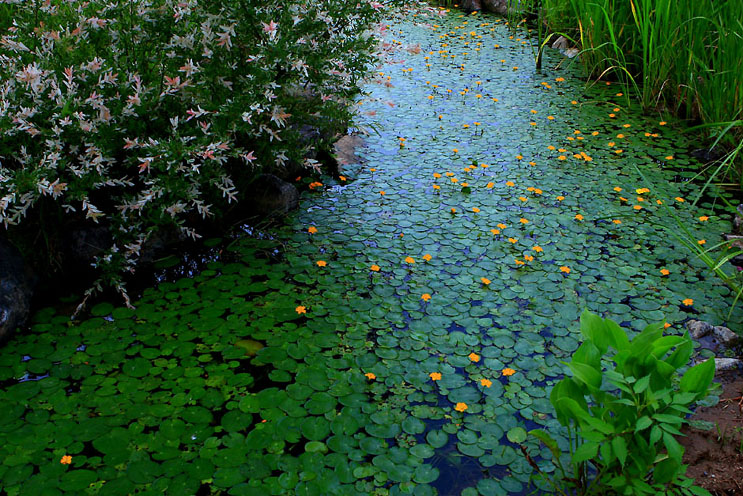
(571, 52)
(725, 335)
(724, 364)
(698, 328)
(268, 195)
(345, 152)
(561, 43)
(470, 5)
(497, 6)
(16, 289)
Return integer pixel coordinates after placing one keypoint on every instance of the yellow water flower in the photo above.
(578, 217)
(665, 271)
(312, 230)
(537, 249)
(427, 257)
(485, 382)
(435, 376)
(322, 263)
(370, 376)
(409, 260)
(374, 268)
(474, 357)
(703, 218)
(508, 371)
(512, 240)
(501, 226)
(425, 297)
(688, 302)
(510, 183)
(461, 407)
(565, 269)
(66, 460)
(485, 280)
(300, 309)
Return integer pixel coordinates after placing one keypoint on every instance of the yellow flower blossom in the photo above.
(461, 407)
(508, 372)
(435, 376)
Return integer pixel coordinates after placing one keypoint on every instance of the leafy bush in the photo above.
(622, 440)
(149, 113)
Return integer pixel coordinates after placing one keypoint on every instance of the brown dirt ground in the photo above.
(715, 457)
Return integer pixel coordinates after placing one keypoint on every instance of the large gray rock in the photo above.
(725, 335)
(698, 328)
(15, 289)
(269, 195)
(345, 154)
(723, 364)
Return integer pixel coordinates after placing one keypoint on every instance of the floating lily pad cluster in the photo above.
(402, 332)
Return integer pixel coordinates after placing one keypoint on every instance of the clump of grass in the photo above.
(678, 56)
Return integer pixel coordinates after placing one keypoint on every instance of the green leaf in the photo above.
(641, 384)
(620, 449)
(675, 450)
(586, 374)
(585, 452)
(516, 435)
(643, 423)
(698, 378)
(592, 328)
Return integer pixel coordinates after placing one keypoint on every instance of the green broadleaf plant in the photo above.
(622, 439)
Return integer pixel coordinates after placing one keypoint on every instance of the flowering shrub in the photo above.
(145, 113)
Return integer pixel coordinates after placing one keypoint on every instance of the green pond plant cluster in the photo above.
(627, 438)
(406, 328)
(146, 115)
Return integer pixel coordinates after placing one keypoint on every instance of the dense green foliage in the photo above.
(622, 441)
(142, 114)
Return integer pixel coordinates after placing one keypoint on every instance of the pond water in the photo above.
(410, 338)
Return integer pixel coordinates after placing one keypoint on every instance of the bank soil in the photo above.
(715, 456)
